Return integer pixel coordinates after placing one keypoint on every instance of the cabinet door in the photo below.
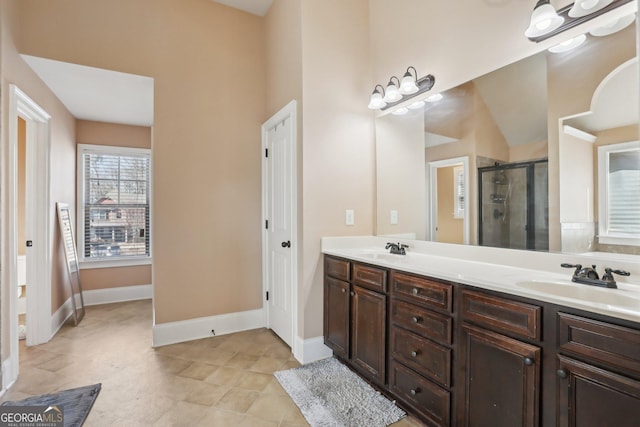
(368, 332)
(593, 397)
(501, 380)
(336, 316)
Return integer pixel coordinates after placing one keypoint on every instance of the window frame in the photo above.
(115, 261)
(604, 236)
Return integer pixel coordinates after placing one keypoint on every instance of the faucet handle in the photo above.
(578, 267)
(609, 272)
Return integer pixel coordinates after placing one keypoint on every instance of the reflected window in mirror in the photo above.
(619, 190)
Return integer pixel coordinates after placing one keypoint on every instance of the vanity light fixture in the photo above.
(392, 93)
(568, 45)
(399, 91)
(416, 105)
(408, 85)
(544, 19)
(434, 98)
(614, 26)
(377, 98)
(585, 7)
(400, 111)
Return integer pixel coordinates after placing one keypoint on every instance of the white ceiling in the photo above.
(257, 7)
(96, 94)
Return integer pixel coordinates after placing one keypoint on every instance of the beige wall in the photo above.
(530, 151)
(208, 65)
(22, 183)
(99, 133)
(450, 229)
(338, 142)
(62, 150)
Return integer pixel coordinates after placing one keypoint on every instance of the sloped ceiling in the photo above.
(256, 7)
(96, 94)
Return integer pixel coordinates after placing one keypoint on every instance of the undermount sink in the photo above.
(383, 256)
(617, 297)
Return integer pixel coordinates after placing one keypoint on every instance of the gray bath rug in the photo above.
(330, 395)
(75, 403)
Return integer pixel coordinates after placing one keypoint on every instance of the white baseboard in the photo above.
(8, 375)
(193, 329)
(99, 296)
(311, 349)
(120, 294)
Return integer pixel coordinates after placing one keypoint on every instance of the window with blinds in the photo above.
(115, 208)
(458, 192)
(619, 187)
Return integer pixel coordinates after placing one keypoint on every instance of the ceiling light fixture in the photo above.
(400, 91)
(586, 7)
(544, 19)
(568, 45)
(377, 98)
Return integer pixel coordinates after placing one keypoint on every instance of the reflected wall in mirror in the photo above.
(531, 130)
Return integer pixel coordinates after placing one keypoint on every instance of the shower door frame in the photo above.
(530, 174)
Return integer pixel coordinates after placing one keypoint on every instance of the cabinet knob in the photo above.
(415, 391)
(415, 291)
(352, 293)
(528, 361)
(562, 373)
(415, 353)
(416, 319)
(343, 290)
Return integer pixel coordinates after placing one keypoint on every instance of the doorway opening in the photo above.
(448, 201)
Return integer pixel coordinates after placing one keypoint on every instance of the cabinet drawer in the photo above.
(421, 321)
(606, 343)
(337, 268)
(502, 314)
(433, 402)
(426, 357)
(370, 277)
(420, 290)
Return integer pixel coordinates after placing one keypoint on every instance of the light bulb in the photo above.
(416, 105)
(408, 85)
(544, 20)
(392, 94)
(400, 111)
(434, 98)
(568, 44)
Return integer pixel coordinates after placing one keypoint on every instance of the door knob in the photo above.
(286, 244)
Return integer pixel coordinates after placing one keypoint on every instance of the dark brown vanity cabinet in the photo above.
(500, 373)
(598, 373)
(355, 315)
(456, 355)
(420, 345)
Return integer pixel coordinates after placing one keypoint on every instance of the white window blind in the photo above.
(619, 193)
(458, 192)
(115, 205)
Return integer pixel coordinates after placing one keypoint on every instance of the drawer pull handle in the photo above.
(415, 391)
(561, 373)
(416, 319)
(528, 361)
(415, 291)
(415, 353)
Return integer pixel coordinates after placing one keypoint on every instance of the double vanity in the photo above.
(463, 336)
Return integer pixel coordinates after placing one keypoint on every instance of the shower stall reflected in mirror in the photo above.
(513, 205)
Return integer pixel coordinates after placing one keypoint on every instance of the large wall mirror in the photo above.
(542, 154)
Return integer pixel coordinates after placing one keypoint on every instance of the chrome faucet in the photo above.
(589, 275)
(397, 248)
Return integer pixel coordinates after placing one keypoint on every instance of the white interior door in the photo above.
(279, 211)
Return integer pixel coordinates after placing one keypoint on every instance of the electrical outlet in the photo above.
(213, 332)
(349, 217)
(393, 219)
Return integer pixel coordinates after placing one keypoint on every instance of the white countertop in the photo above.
(548, 286)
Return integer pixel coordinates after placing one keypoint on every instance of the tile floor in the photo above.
(219, 381)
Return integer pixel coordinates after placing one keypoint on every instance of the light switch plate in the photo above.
(393, 218)
(349, 217)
